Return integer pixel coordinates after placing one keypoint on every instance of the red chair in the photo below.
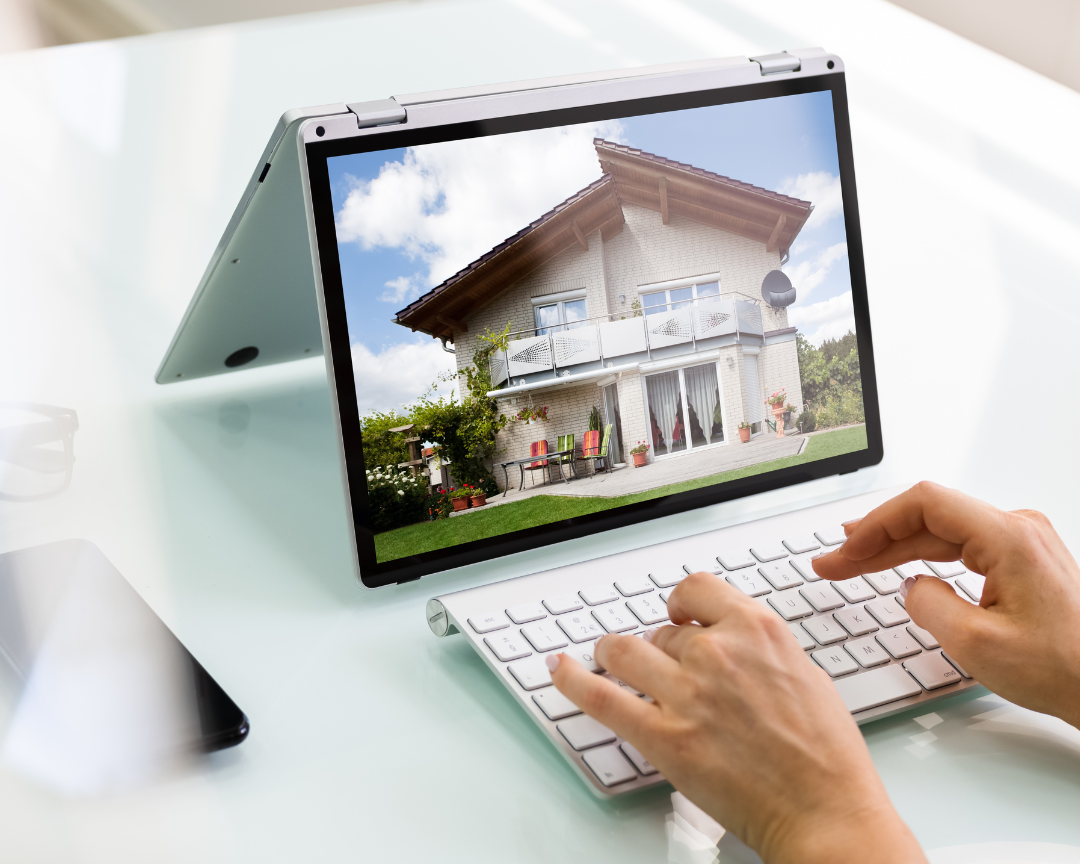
(591, 445)
(537, 448)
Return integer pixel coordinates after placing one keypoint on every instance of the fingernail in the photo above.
(552, 661)
(905, 586)
(648, 634)
(850, 522)
(819, 555)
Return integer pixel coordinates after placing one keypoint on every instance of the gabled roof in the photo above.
(630, 176)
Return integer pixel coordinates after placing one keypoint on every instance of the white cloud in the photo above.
(829, 319)
(808, 274)
(821, 189)
(399, 291)
(398, 374)
(446, 204)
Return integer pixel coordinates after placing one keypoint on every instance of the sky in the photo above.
(407, 219)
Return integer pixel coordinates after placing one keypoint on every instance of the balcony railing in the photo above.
(605, 338)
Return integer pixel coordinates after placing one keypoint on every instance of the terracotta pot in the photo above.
(461, 503)
(744, 434)
(479, 500)
(640, 459)
(777, 410)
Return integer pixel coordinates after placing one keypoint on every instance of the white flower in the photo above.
(401, 492)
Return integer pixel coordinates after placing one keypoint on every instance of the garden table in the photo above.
(551, 457)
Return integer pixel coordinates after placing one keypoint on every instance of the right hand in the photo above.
(1022, 640)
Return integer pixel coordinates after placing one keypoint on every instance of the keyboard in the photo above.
(857, 631)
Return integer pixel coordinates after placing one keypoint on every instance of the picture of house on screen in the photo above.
(640, 296)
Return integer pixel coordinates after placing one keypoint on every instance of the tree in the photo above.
(831, 379)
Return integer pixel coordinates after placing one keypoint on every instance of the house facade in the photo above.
(639, 295)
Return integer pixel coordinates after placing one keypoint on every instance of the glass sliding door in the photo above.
(611, 412)
(666, 424)
(703, 405)
(684, 409)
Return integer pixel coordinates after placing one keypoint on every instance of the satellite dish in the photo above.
(777, 290)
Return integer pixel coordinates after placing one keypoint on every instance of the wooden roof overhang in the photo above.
(443, 310)
(676, 188)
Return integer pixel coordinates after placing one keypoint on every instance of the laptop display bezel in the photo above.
(374, 573)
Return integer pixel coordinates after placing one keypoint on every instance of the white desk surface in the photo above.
(371, 740)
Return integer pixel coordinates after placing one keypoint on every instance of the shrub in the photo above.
(840, 407)
(806, 422)
(396, 498)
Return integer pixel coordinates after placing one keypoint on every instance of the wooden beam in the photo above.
(459, 326)
(663, 200)
(583, 242)
(770, 245)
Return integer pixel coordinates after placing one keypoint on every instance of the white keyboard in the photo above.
(857, 631)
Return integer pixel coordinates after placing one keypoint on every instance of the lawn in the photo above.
(543, 509)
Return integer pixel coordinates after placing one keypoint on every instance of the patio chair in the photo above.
(537, 448)
(592, 451)
(566, 442)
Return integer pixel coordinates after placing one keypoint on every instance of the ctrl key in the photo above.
(610, 766)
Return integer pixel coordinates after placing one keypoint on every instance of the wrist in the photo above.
(873, 834)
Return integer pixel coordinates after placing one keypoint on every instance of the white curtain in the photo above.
(701, 395)
(664, 402)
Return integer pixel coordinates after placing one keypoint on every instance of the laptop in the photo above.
(557, 307)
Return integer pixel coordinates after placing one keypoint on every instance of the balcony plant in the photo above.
(744, 432)
(528, 414)
(461, 497)
(640, 453)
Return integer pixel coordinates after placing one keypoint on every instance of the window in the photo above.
(670, 299)
(563, 315)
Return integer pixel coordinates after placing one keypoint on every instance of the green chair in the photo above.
(566, 442)
(592, 455)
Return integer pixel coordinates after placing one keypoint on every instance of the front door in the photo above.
(684, 409)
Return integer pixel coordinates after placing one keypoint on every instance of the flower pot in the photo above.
(744, 434)
(461, 503)
(479, 500)
(639, 459)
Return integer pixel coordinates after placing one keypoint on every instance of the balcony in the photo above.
(619, 338)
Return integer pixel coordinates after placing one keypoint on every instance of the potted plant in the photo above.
(776, 402)
(529, 414)
(594, 419)
(744, 432)
(460, 497)
(478, 497)
(789, 409)
(640, 453)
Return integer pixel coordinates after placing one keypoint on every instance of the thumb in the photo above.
(934, 605)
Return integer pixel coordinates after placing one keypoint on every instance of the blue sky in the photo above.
(408, 219)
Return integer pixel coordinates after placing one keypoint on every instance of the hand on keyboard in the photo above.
(746, 727)
(1020, 640)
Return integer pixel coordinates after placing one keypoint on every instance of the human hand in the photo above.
(746, 727)
(1021, 640)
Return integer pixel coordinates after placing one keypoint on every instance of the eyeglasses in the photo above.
(36, 450)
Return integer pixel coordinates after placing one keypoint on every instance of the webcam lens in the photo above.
(320, 131)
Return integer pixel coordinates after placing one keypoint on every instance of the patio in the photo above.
(629, 480)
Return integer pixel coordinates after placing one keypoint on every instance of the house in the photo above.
(640, 294)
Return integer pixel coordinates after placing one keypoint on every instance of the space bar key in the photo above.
(877, 687)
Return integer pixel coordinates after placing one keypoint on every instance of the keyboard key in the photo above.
(912, 568)
(805, 642)
(648, 609)
(610, 766)
(554, 705)
(887, 612)
(802, 543)
(640, 762)
(583, 732)
(749, 582)
(615, 618)
(805, 569)
(925, 637)
(531, 674)
(736, 560)
(959, 668)
(598, 595)
(831, 536)
(769, 551)
(705, 566)
(899, 643)
(963, 595)
(972, 585)
(562, 604)
(885, 582)
(824, 630)
(932, 671)
(665, 594)
(486, 623)
(667, 580)
(580, 627)
(508, 646)
(947, 569)
(584, 655)
(622, 684)
(790, 605)
(631, 585)
(855, 590)
(544, 636)
(781, 575)
(867, 652)
(822, 596)
(523, 613)
(856, 621)
(835, 661)
(877, 688)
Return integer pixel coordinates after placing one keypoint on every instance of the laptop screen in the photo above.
(557, 324)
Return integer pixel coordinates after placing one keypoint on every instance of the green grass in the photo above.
(544, 509)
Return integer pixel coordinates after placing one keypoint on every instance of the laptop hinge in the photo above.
(772, 63)
(381, 112)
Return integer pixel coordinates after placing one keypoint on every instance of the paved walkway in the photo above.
(676, 469)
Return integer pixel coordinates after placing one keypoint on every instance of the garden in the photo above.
(831, 383)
